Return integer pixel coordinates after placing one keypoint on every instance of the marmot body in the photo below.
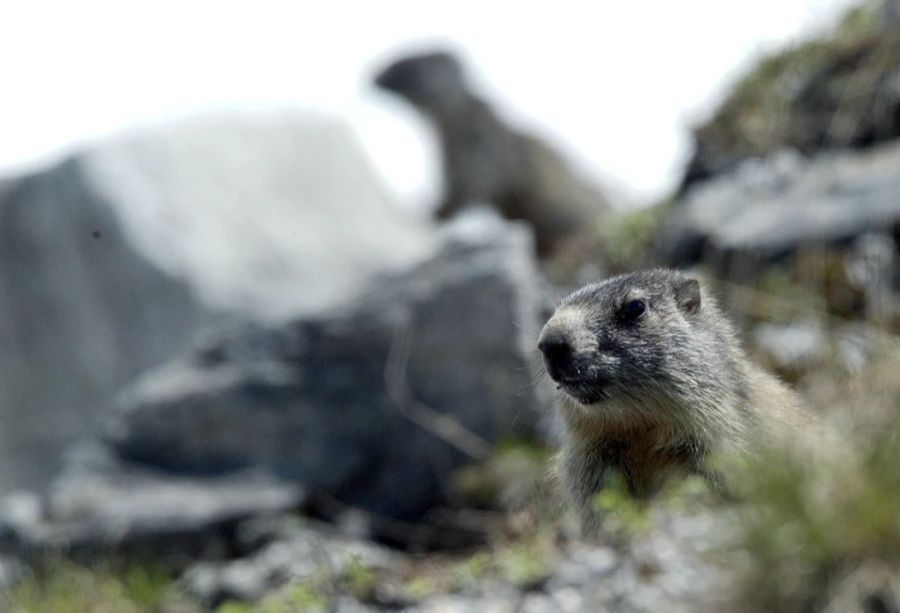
(486, 161)
(653, 380)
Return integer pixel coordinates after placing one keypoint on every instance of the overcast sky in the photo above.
(614, 84)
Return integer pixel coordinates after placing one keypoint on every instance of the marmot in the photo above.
(485, 161)
(653, 379)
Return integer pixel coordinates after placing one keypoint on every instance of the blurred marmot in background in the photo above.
(486, 161)
(654, 379)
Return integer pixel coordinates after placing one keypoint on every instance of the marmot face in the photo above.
(433, 82)
(626, 341)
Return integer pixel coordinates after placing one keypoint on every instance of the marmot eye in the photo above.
(633, 309)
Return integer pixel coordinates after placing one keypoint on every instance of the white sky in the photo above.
(614, 84)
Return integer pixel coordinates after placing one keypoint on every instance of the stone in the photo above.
(295, 553)
(796, 98)
(101, 505)
(270, 214)
(773, 207)
(792, 347)
(371, 407)
(82, 312)
(112, 260)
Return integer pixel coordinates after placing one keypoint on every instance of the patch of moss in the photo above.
(862, 20)
(359, 579)
(420, 588)
(514, 476)
(307, 596)
(473, 570)
(315, 592)
(65, 587)
(622, 515)
(627, 236)
(525, 565)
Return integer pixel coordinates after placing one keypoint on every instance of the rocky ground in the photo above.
(240, 381)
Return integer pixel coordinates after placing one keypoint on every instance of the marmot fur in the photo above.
(487, 162)
(653, 380)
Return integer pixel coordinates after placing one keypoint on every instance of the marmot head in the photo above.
(632, 339)
(433, 82)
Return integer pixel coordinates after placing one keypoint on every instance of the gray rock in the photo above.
(12, 572)
(873, 265)
(869, 586)
(370, 407)
(798, 348)
(890, 13)
(681, 563)
(82, 312)
(795, 346)
(296, 553)
(105, 506)
(100, 258)
(583, 565)
(772, 207)
(467, 604)
(671, 567)
(19, 512)
(796, 97)
(272, 214)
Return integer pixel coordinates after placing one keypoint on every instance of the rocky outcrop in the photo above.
(369, 408)
(374, 403)
(82, 312)
(773, 207)
(105, 507)
(838, 91)
(101, 257)
(670, 567)
(269, 214)
(281, 549)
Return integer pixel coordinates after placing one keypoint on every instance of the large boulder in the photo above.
(772, 207)
(101, 258)
(271, 214)
(103, 506)
(839, 90)
(371, 406)
(82, 312)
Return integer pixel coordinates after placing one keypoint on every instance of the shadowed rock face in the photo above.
(373, 405)
(487, 161)
(82, 312)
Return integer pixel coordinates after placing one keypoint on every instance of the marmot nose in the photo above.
(557, 351)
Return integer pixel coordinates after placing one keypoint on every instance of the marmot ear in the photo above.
(687, 295)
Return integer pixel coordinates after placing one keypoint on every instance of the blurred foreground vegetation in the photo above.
(61, 586)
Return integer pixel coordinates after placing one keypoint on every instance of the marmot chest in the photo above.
(645, 457)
